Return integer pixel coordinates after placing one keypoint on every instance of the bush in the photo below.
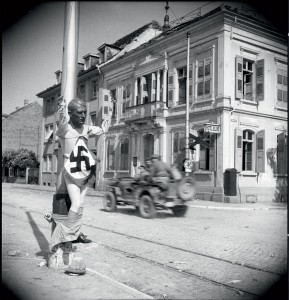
(22, 158)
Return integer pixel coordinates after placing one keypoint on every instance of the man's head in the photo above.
(77, 112)
(155, 157)
(148, 163)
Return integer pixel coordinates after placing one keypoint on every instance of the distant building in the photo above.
(237, 102)
(22, 129)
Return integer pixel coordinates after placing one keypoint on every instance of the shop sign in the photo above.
(213, 128)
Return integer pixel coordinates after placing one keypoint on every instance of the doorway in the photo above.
(148, 146)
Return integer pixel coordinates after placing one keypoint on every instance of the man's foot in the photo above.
(82, 239)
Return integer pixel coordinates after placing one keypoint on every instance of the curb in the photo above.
(213, 205)
(238, 208)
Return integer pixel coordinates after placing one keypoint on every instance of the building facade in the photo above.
(22, 129)
(237, 103)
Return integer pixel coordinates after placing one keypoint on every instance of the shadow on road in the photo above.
(42, 241)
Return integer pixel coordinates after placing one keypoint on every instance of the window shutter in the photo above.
(260, 159)
(170, 88)
(238, 149)
(212, 162)
(239, 77)
(281, 154)
(260, 80)
(154, 86)
(105, 103)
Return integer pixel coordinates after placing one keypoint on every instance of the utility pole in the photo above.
(69, 73)
(188, 102)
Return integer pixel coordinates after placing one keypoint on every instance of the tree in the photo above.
(22, 158)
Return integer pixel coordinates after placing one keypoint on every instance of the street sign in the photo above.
(188, 164)
(212, 128)
(200, 140)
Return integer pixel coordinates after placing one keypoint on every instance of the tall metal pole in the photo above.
(188, 100)
(70, 52)
(69, 69)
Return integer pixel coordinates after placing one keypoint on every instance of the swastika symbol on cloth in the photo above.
(78, 159)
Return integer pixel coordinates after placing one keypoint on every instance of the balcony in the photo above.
(143, 111)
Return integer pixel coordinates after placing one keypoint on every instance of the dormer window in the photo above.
(90, 60)
(108, 51)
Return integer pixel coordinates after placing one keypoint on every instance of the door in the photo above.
(148, 146)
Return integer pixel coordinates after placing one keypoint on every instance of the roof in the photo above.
(163, 33)
(135, 39)
(23, 107)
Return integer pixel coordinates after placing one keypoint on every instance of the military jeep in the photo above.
(148, 197)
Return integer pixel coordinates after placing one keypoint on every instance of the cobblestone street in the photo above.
(219, 250)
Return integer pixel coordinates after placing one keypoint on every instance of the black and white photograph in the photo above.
(144, 150)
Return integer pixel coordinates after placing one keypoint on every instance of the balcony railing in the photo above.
(151, 109)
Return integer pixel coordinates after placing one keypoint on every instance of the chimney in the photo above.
(26, 102)
(166, 19)
(58, 76)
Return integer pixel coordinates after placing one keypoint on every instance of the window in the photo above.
(55, 162)
(281, 86)
(110, 155)
(114, 102)
(282, 153)
(50, 106)
(93, 119)
(179, 151)
(49, 163)
(81, 92)
(124, 164)
(44, 163)
(182, 80)
(126, 92)
(48, 133)
(250, 150)
(247, 151)
(94, 89)
(148, 88)
(249, 79)
(204, 78)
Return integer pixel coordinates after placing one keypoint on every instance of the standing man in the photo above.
(78, 167)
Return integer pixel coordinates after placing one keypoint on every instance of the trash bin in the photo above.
(230, 182)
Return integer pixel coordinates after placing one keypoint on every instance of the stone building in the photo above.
(22, 129)
(237, 102)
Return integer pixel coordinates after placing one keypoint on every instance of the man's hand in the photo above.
(92, 173)
(105, 125)
(61, 103)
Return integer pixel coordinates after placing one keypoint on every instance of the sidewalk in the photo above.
(194, 203)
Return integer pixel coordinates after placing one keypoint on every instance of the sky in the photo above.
(32, 41)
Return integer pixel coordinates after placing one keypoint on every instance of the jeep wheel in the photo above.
(186, 188)
(147, 208)
(109, 202)
(180, 210)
